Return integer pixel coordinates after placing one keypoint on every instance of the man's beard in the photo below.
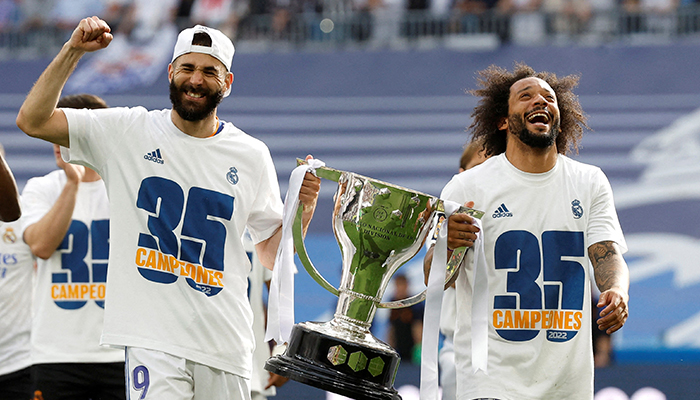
(193, 112)
(534, 140)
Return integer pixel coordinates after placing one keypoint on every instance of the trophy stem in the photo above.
(350, 328)
(355, 311)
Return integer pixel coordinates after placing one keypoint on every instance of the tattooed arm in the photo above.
(612, 278)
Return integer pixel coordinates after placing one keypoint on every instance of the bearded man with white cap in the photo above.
(183, 186)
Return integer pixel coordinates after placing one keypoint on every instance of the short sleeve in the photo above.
(266, 213)
(604, 224)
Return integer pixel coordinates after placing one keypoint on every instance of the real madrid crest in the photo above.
(9, 236)
(577, 209)
(232, 176)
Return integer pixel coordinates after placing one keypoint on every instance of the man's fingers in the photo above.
(105, 39)
(95, 29)
(613, 322)
(460, 238)
(311, 185)
(462, 222)
(614, 315)
(466, 235)
(90, 29)
(308, 193)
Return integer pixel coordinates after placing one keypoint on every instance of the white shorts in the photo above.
(152, 374)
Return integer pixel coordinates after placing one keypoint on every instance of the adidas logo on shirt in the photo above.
(502, 212)
(154, 156)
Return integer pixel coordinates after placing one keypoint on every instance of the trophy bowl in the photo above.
(378, 227)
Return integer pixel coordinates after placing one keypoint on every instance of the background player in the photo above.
(16, 283)
(67, 214)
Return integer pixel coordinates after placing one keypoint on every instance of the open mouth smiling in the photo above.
(195, 95)
(538, 117)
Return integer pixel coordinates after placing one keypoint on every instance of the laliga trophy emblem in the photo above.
(379, 227)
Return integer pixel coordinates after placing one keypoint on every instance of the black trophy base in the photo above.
(337, 365)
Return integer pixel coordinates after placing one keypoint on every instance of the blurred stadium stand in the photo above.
(605, 22)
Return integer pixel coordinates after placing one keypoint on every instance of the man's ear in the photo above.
(503, 125)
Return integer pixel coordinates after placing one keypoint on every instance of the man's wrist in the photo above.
(71, 51)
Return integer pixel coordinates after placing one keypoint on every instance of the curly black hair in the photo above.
(492, 109)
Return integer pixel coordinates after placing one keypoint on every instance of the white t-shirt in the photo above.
(70, 285)
(180, 204)
(16, 282)
(537, 229)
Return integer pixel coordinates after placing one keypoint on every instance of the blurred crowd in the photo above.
(376, 21)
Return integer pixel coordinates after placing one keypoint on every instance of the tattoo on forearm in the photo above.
(608, 264)
(602, 251)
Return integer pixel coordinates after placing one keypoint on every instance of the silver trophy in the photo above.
(379, 227)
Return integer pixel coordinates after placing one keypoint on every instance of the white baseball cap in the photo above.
(221, 46)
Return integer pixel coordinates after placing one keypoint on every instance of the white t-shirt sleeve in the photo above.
(266, 214)
(604, 224)
(38, 197)
(94, 134)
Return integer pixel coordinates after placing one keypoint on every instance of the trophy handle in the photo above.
(452, 266)
(300, 246)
